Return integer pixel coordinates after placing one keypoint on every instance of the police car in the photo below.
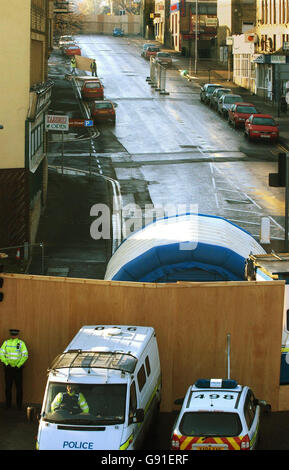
(217, 414)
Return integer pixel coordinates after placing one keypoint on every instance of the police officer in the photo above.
(71, 400)
(13, 354)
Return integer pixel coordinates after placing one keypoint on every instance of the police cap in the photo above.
(14, 332)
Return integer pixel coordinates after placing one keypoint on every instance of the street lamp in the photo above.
(196, 35)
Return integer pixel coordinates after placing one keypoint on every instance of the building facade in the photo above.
(263, 51)
(193, 27)
(23, 163)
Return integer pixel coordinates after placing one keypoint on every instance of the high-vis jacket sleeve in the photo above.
(83, 404)
(2, 354)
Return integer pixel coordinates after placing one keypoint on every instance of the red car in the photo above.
(72, 50)
(261, 126)
(151, 52)
(239, 113)
(92, 90)
(102, 111)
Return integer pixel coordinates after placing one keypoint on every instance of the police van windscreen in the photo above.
(89, 404)
(211, 424)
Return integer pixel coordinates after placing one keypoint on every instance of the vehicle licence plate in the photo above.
(265, 136)
(211, 448)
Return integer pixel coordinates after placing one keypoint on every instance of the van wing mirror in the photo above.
(139, 415)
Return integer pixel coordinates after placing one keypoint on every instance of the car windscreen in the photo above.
(210, 424)
(102, 106)
(211, 88)
(246, 109)
(163, 54)
(232, 99)
(89, 404)
(261, 121)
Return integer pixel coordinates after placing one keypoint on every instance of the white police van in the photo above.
(103, 391)
(217, 414)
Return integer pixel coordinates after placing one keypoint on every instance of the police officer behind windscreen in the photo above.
(72, 401)
(14, 354)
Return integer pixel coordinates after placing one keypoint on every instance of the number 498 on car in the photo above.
(217, 414)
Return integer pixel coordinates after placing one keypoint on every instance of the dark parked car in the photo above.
(217, 93)
(207, 90)
(118, 32)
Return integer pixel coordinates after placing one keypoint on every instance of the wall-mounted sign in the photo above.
(56, 123)
(259, 58)
(278, 59)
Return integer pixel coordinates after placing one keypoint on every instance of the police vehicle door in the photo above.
(252, 417)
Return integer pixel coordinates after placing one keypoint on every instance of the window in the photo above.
(141, 378)
(148, 367)
(249, 409)
(211, 424)
(105, 404)
(132, 400)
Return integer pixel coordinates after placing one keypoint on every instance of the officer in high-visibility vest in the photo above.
(13, 354)
(71, 400)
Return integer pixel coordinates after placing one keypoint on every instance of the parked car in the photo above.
(163, 58)
(72, 50)
(239, 113)
(118, 32)
(207, 90)
(219, 415)
(92, 90)
(144, 48)
(151, 51)
(64, 40)
(261, 126)
(226, 102)
(102, 111)
(217, 93)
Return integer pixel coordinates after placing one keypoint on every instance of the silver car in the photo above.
(207, 90)
(216, 95)
(226, 102)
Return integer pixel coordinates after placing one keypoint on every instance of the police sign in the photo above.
(56, 123)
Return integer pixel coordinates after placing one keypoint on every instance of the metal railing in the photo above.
(158, 77)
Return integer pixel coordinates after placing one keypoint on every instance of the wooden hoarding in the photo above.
(191, 320)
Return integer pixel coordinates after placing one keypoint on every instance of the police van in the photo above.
(103, 391)
(217, 414)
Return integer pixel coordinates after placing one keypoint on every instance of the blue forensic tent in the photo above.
(187, 247)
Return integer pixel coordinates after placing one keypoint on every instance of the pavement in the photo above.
(16, 433)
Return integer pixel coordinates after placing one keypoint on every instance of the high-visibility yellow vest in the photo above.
(13, 352)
